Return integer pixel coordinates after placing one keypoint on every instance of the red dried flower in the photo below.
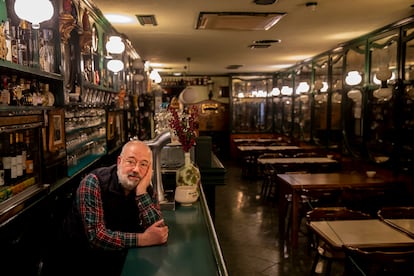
(185, 126)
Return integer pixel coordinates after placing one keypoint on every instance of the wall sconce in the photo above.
(286, 90)
(275, 92)
(303, 87)
(353, 78)
(155, 76)
(115, 45)
(34, 12)
(115, 65)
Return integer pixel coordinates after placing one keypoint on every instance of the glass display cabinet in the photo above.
(353, 101)
(405, 128)
(302, 103)
(320, 100)
(252, 104)
(379, 128)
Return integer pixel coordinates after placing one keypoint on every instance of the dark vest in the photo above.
(120, 211)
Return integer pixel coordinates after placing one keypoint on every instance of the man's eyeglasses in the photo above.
(132, 163)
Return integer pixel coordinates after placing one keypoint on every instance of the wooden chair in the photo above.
(324, 252)
(379, 262)
(268, 174)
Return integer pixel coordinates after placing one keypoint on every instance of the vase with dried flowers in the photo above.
(184, 125)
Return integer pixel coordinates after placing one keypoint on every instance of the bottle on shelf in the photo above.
(13, 160)
(7, 34)
(6, 159)
(2, 182)
(24, 152)
(46, 53)
(5, 93)
(21, 48)
(29, 155)
(19, 157)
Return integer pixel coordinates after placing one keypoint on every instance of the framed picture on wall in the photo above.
(56, 130)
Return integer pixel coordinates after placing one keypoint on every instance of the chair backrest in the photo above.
(396, 212)
(398, 261)
(335, 213)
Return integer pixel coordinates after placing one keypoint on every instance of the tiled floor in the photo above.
(247, 228)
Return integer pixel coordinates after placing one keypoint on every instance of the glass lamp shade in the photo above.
(353, 78)
(34, 11)
(115, 45)
(303, 87)
(155, 76)
(115, 65)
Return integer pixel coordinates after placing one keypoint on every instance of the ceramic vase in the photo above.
(187, 175)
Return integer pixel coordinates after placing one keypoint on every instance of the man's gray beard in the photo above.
(125, 182)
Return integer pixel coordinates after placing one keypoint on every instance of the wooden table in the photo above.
(371, 233)
(304, 164)
(294, 183)
(259, 149)
(404, 225)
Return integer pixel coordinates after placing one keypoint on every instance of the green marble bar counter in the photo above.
(192, 247)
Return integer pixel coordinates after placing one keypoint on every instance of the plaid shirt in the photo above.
(89, 204)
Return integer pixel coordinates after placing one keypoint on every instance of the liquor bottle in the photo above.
(46, 53)
(12, 90)
(24, 152)
(5, 93)
(19, 157)
(1, 163)
(29, 156)
(21, 48)
(7, 33)
(14, 50)
(6, 161)
(13, 160)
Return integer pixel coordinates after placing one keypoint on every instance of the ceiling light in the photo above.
(34, 12)
(247, 21)
(117, 18)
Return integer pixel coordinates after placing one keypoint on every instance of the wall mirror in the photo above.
(320, 96)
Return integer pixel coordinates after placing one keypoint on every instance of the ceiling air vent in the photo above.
(244, 21)
(148, 19)
(234, 66)
(259, 46)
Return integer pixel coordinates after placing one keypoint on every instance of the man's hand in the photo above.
(154, 235)
(145, 182)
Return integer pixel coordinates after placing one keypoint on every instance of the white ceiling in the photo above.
(303, 33)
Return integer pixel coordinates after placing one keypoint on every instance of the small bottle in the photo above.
(29, 155)
(13, 162)
(2, 182)
(5, 93)
(7, 33)
(19, 157)
(24, 152)
(6, 161)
